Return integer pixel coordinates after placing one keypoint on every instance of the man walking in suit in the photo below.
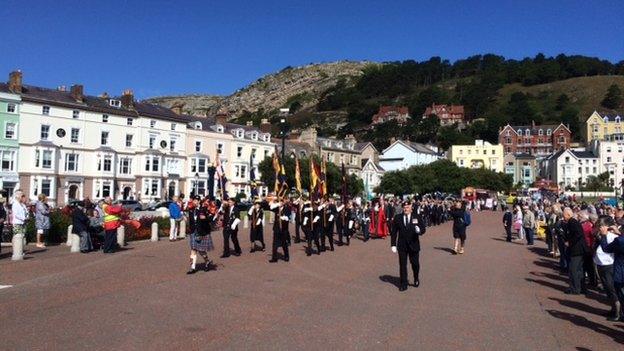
(406, 230)
(507, 222)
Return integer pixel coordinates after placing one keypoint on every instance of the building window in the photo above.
(266, 153)
(129, 121)
(151, 187)
(527, 132)
(11, 108)
(7, 159)
(609, 159)
(172, 144)
(129, 140)
(173, 126)
(198, 187)
(152, 163)
(125, 165)
(108, 161)
(104, 118)
(47, 159)
(45, 132)
(240, 171)
(75, 135)
(104, 138)
(198, 145)
(152, 141)
(46, 187)
(219, 148)
(45, 110)
(71, 162)
(239, 151)
(9, 131)
(561, 139)
(152, 123)
(75, 114)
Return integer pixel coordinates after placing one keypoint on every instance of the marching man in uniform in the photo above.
(406, 230)
(280, 228)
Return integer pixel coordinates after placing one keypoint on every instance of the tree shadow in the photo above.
(445, 249)
(396, 281)
(580, 321)
(558, 287)
(580, 306)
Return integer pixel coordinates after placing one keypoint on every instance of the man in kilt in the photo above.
(280, 228)
(200, 219)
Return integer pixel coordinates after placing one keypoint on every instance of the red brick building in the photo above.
(390, 113)
(534, 140)
(448, 115)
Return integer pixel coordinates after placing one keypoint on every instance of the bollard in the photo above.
(246, 222)
(75, 243)
(18, 247)
(154, 232)
(121, 236)
(182, 230)
(69, 236)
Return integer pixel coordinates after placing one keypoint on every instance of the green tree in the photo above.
(562, 102)
(519, 110)
(613, 98)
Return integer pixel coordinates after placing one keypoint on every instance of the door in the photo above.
(126, 192)
(171, 189)
(74, 192)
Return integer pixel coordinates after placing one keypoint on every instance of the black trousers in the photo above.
(310, 236)
(277, 242)
(227, 235)
(590, 269)
(414, 261)
(577, 281)
(328, 234)
(508, 231)
(606, 276)
(110, 240)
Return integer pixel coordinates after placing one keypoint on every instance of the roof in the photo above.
(524, 156)
(439, 109)
(64, 98)
(415, 147)
(583, 154)
(376, 165)
(534, 129)
(609, 118)
(403, 110)
(361, 146)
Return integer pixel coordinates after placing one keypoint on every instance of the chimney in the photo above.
(61, 88)
(77, 92)
(177, 107)
(104, 95)
(221, 117)
(15, 81)
(249, 123)
(265, 126)
(127, 99)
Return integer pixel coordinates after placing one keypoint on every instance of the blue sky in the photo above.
(174, 47)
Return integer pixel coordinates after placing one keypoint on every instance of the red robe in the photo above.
(379, 226)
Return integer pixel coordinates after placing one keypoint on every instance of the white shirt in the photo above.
(602, 258)
(19, 213)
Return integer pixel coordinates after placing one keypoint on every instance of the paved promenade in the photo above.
(497, 296)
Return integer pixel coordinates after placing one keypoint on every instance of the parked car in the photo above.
(159, 205)
(130, 205)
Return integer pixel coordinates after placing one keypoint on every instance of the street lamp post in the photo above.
(283, 133)
(196, 184)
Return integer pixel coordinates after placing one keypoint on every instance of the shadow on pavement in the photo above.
(580, 306)
(561, 288)
(550, 276)
(539, 250)
(396, 281)
(615, 334)
(547, 264)
(445, 249)
(510, 242)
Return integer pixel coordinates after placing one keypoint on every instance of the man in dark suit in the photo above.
(231, 219)
(576, 247)
(407, 227)
(280, 228)
(507, 221)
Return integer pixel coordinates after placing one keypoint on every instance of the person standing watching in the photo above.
(528, 224)
(604, 262)
(80, 226)
(406, 230)
(19, 213)
(175, 216)
(507, 222)
(575, 245)
(459, 228)
(111, 223)
(42, 220)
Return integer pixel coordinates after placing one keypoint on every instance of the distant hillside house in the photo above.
(372, 173)
(391, 113)
(401, 155)
(337, 151)
(603, 127)
(448, 115)
(539, 141)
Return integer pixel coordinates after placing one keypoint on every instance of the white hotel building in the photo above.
(74, 146)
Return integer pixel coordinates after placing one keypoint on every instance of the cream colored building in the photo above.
(601, 126)
(480, 155)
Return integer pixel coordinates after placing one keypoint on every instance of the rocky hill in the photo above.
(300, 85)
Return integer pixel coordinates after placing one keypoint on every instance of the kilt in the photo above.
(203, 245)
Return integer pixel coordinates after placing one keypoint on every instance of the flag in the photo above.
(252, 178)
(297, 175)
(323, 188)
(276, 168)
(283, 185)
(313, 179)
(344, 184)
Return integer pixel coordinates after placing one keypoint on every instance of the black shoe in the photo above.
(225, 255)
(308, 253)
(252, 250)
(191, 271)
(318, 251)
(237, 253)
(403, 288)
(331, 248)
(416, 283)
(286, 258)
(273, 260)
(614, 319)
(570, 292)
